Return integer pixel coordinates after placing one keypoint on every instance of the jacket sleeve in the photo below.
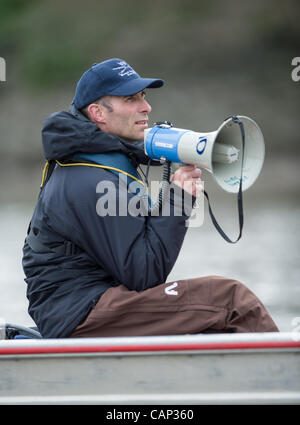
(138, 251)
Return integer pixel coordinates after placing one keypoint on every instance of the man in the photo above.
(91, 274)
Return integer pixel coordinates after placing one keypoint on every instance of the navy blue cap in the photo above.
(111, 77)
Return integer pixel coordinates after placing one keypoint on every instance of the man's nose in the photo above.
(145, 107)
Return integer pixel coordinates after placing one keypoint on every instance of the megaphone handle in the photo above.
(239, 195)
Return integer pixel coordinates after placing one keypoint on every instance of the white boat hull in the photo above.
(191, 369)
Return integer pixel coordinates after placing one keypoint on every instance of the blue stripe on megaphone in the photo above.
(163, 143)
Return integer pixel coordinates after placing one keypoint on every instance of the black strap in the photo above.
(66, 248)
(239, 195)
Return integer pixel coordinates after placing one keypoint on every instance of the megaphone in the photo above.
(223, 152)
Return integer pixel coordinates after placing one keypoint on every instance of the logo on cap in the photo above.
(125, 69)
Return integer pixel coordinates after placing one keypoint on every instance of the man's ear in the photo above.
(96, 113)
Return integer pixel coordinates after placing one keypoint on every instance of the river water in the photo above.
(266, 259)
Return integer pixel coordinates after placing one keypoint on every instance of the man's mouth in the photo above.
(142, 123)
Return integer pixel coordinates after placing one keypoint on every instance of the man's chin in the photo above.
(137, 138)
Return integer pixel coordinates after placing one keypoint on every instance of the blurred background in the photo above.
(217, 59)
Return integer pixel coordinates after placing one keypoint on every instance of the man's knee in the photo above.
(222, 292)
(230, 292)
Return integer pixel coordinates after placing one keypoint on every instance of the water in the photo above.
(266, 259)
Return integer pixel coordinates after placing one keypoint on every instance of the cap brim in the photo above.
(136, 85)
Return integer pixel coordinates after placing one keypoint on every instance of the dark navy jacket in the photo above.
(138, 252)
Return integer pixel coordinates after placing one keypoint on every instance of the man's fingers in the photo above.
(188, 178)
(194, 173)
(187, 167)
(188, 171)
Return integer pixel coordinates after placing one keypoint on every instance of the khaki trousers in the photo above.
(210, 304)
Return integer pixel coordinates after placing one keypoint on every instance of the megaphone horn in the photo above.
(220, 152)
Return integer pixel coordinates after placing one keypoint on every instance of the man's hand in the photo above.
(188, 178)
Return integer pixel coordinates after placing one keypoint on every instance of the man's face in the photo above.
(127, 117)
